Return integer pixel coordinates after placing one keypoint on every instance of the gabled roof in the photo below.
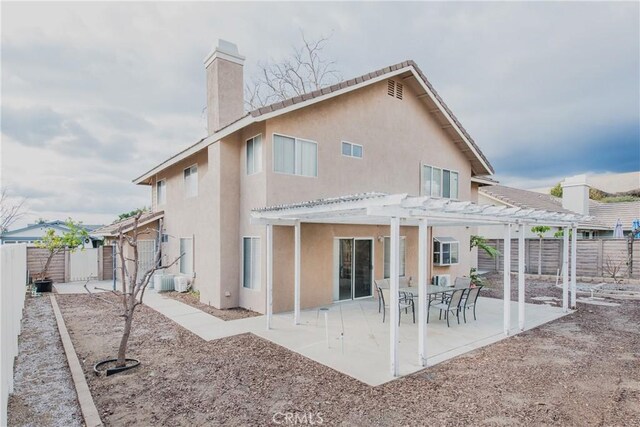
(408, 71)
(127, 224)
(57, 224)
(609, 213)
(604, 215)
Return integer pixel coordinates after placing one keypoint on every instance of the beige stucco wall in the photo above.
(397, 136)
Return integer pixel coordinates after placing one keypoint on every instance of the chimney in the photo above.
(575, 194)
(225, 87)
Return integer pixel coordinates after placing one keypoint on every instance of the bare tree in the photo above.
(133, 282)
(614, 268)
(305, 70)
(10, 211)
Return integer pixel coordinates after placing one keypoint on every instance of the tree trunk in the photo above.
(122, 350)
(540, 258)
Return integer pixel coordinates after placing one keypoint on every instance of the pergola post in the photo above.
(394, 270)
(574, 258)
(521, 278)
(423, 278)
(565, 270)
(269, 261)
(507, 278)
(296, 274)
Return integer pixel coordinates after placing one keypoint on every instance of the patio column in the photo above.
(394, 270)
(521, 278)
(423, 278)
(296, 274)
(574, 261)
(565, 270)
(507, 278)
(269, 261)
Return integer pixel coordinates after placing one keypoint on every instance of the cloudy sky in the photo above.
(95, 94)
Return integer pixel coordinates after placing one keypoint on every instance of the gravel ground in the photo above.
(44, 394)
(579, 370)
(193, 299)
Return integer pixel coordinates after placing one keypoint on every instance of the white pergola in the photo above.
(401, 209)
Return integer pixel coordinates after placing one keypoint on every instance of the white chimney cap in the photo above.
(574, 181)
(225, 50)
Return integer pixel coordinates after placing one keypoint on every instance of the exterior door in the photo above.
(355, 268)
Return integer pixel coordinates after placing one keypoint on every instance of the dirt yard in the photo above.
(580, 370)
(193, 299)
(44, 394)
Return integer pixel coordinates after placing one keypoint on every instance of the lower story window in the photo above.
(186, 256)
(387, 257)
(251, 262)
(445, 250)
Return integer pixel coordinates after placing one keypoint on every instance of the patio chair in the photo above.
(380, 284)
(469, 301)
(403, 303)
(458, 282)
(450, 306)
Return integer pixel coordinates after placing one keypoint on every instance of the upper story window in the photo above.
(254, 155)
(295, 156)
(351, 150)
(437, 182)
(161, 192)
(191, 181)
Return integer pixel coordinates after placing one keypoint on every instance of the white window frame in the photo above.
(258, 267)
(184, 181)
(256, 166)
(159, 201)
(351, 145)
(188, 270)
(296, 167)
(429, 192)
(438, 250)
(403, 256)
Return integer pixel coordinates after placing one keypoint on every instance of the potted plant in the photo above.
(54, 244)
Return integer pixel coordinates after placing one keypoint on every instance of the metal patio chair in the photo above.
(450, 306)
(469, 301)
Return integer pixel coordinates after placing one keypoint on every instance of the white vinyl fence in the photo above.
(13, 260)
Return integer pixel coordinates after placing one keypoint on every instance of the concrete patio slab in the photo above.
(358, 340)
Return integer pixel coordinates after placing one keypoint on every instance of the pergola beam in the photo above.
(507, 279)
(521, 254)
(394, 270)
(269, 262)
(423, 277)
(574, 256)
(565, 270)
(296, 274)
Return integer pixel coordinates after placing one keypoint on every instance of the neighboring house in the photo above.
(149, 225)
(34, 232)
(387, 131)
(575, 200)
(607, 182)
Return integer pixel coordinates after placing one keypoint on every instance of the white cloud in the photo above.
(95, 94)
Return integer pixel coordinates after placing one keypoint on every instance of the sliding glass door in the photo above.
(355, 268)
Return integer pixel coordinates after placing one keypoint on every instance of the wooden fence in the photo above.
(595, 258)
(60, 270)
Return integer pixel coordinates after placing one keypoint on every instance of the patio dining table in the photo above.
(432, 289)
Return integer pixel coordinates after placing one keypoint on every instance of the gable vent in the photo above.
(394, 89)
(391, 86)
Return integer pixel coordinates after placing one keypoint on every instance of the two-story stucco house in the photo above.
(387, 131)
